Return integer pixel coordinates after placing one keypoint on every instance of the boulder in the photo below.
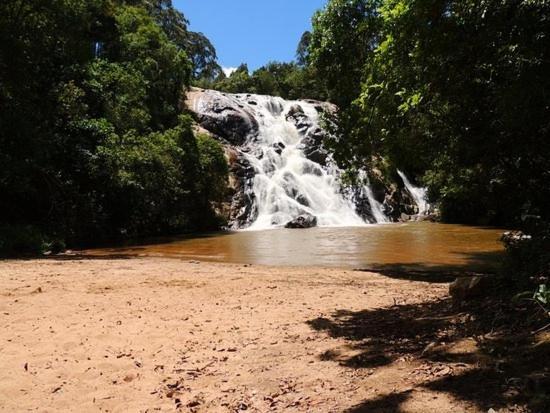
(323, 107)
(466, 288)
(223, 115)
(295, 111)
(302, 221)
(313, 135)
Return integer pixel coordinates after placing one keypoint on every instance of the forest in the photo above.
(94, 144)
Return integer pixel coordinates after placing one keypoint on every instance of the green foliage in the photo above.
(197, 46)
(288, 80)
(345, 33)
(453, 92)
(92, 144)
(118, 91)
(302, 51)
(20, 239)
(145, 182)
(213, 168)
(542, 295)
(528, 262)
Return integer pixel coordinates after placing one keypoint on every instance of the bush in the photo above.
(528, 263)
(21, 239)
(213, 168)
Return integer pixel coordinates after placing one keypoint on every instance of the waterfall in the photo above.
(280, 171)
(286, 184)
(418, 194)
(377, 209)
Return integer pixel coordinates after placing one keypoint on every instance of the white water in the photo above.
(287, 184)
(418, 194)
(376, 207)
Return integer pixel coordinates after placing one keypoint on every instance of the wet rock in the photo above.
(302, 221)
(279, 147)
(323, 107)
(243, 210)
(398, 204)
(295, 112)
(222, 115)
(313, 135)
(431, 217)
(363, 208)
(317, 155)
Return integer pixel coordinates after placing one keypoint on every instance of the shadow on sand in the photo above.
(478, 263)
(503, 365)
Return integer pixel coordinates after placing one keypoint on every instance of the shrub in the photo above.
(21, 239)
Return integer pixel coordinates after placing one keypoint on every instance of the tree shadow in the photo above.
(119, 249)
(475, 263)
(88, 257)
(387, 333)
(389, 403)
(502, 365)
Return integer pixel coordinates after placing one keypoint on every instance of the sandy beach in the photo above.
(159, 334)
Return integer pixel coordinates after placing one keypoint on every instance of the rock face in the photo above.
(302, 221)
(312, 144)
(242, 208)
(222, 115)
(399, 205)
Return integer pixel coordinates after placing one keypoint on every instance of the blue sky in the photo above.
(251, 31)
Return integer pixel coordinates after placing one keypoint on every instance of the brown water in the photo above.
(422, 246)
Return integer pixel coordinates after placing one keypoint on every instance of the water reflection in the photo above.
(425, 245)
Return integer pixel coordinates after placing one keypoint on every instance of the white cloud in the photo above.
(228, 70)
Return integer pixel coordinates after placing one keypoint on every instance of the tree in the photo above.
(345, 34)
(451, 91)
(302, 51)
(92, 143)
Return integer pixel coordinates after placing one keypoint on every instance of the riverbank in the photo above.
(155, 334)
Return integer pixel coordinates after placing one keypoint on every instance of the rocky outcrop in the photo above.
(222, 115)
(302, 222)
(314, 136)
(243, 210)
(398, 204)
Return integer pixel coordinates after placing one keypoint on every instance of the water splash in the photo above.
(286, 183)
(418, 194)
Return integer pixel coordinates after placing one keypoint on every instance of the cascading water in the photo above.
(418, 194)
(286, 183)
(377, 209)
(280, 171)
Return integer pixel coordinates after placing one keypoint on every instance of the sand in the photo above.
(160, 334)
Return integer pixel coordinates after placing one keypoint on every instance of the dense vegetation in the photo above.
(93, 142)
(455, 92)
